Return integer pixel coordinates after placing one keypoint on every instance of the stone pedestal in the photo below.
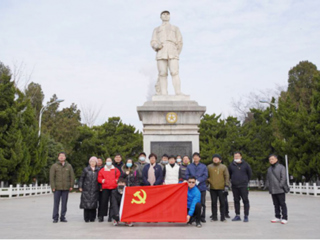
(170, 125)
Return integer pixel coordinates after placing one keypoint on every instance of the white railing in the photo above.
(22, 191)
(256, 183)
(305, 189)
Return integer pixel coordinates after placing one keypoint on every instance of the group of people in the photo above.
(102, 186)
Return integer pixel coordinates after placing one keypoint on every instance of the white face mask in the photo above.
(142, 159)
(237, 160)
(178, 160)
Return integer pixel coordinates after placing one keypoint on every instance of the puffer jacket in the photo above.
(90, 188)
(276, 186)
(132, 179)
(61, 177)
(194, 197)
(110, 177)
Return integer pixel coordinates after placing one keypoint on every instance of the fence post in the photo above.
(307, 188)
(41, 189)
(300, 187)
(2, 184)
(294, 188)
(18, 190)
(315, 189)
(24, 190)
(10, 191)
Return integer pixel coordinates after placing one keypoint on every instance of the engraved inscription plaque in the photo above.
(171, 148)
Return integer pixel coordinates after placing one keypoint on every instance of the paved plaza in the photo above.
(30, 217)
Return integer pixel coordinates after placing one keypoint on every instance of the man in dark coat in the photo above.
(118, 162)
(240, 174)
(200, 172)
(61, 181)
(276, 180)
(140, 165)
(89, 188)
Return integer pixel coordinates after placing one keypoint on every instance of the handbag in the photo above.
(286, 188)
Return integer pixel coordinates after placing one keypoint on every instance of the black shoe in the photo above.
(55, 221)
(227, 216)
(63, 220)
(86, 220)
(100, 219)
(214, 219)
(198, 225)
(203, 220)
(92, 220)
(109, 220)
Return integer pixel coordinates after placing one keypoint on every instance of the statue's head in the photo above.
(165, 15)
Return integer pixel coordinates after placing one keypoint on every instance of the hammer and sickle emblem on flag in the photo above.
(142, 200)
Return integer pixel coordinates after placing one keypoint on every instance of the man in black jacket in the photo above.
(116, 197)
(240, 174)
(118, 162)
(276, 181)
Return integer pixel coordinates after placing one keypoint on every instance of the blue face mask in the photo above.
(129, 165)
(142, 159)
(109, 163)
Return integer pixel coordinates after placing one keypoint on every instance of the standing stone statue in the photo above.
(167, 42)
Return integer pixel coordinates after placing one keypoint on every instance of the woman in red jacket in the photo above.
(108, 177)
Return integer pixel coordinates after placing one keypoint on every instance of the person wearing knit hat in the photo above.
(218, 178)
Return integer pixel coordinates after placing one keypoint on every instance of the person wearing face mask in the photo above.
(88, 186)
(183, 169)
(152, 173)
(179, 160)
(129, 173)
(171, 172)
(240, 174)
(164, 161)
(116, 197)
(200, 172)
(218, 178)
(140, 165)
(108, 177)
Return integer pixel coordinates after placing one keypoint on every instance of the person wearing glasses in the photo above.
(194, 203)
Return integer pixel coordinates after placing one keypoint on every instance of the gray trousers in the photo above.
(57, 195)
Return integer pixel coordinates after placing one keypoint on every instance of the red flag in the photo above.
(164, 203)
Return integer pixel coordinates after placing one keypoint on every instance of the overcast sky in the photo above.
(97, 53)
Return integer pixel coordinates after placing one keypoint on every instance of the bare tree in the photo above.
(20, 75)
(90, 113)
(252, 100)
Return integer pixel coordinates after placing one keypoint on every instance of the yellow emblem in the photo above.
(142, 200)
(172, 117)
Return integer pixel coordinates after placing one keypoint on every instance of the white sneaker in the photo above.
(129, 224)
(115, 223)
(283, 221)
(276, 220)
